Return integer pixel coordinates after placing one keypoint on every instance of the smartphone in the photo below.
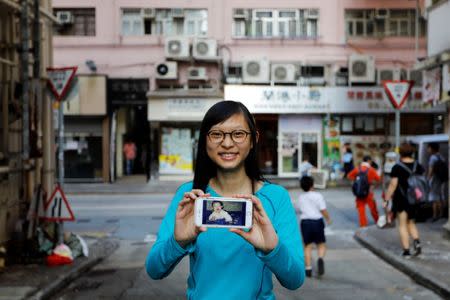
(223, 212)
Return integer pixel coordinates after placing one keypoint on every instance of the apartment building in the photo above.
(436, 66)
(26, 143)
(310, 71)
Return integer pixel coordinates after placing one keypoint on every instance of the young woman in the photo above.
(405, 212)
(244, 260)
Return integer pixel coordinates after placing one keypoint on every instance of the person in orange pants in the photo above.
(361, 203)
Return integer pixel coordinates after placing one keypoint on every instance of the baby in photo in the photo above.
(219, 214)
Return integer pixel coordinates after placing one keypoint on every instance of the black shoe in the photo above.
(308, 272)
(320, 266)
(406, 254)
(417, 248)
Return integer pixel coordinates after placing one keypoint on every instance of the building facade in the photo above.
(310, 71)
(436, 66)
(26, 131)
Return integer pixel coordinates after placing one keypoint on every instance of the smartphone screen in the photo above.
(225, 212)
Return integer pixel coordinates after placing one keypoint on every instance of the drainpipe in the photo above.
(24, 52)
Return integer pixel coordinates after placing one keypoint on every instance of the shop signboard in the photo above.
(294, 100)
(446, 82)
(431, 86)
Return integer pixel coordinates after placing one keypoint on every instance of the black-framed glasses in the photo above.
(237, 136)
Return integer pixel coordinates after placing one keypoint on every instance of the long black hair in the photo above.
(205, 168)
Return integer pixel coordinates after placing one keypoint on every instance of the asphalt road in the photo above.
(352, 272)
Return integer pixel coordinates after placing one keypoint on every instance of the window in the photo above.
(275, 23)
(149, 21)
(382, 22)
(77, 22)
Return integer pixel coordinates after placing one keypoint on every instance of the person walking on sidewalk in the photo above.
(437, 176)
(364, 178)
(312, 211)
(402, 210)
(243, 262)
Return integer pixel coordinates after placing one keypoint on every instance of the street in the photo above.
(351, 270)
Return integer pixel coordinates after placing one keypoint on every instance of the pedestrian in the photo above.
(364, 178)
(305, 167)
(403, 211)
(227, 166)
(129, 150)
(312, 211)
(347, 159)
(437, 176)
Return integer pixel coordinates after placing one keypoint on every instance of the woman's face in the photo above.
(228, 155)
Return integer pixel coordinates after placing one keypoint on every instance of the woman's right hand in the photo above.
(185, 229)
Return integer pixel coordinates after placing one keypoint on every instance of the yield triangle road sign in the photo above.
(57, 207)
(398, 91)
(59, 80)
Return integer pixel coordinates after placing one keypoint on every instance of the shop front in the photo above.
(316, 123)
(174, 131)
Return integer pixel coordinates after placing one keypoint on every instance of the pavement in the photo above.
(37, 281)
(430, 269)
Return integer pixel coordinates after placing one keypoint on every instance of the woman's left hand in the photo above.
(262, 235)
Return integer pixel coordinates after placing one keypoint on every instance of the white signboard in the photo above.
(432, 85)
(294, 100)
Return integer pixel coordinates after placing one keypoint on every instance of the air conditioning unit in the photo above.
(361, 68)
(391, 74)
(167, 70)
(149, 13)
(177, 48)
(64, 17)
(240, 13)
(204, 49)
(197, 73)
(177, 13)
(381, 13)
(416, 76)
(312, 13)
(312, 75)
(256, 71)
(283, 73)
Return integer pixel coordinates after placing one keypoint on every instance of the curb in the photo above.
(427, 280)
(105, 247)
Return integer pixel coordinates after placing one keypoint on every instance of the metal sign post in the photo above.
(398, 92)
(59, 82)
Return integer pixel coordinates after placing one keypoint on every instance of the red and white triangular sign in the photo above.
(398, 91)
(59, 80)
(57, 207)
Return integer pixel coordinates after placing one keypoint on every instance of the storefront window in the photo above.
(309, 147)
(83, 158)
(289, 152)
(176, 151)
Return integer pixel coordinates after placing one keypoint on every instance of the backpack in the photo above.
(440, 169)
(361, 186)
(417, 191)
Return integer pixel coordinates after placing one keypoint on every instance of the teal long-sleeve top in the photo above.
(225, 266)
